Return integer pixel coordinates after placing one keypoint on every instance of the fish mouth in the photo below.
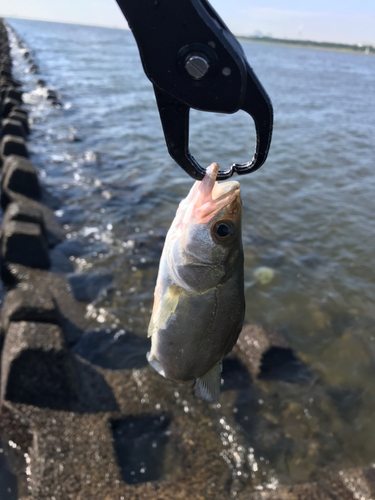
(207, 198)
(224, 197)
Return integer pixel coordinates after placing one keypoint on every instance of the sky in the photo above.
(341, 21)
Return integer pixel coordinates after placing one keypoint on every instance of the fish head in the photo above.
(207, 242)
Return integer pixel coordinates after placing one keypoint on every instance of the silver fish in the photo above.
(199, 302)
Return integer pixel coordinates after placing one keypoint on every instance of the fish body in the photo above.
(199, 302)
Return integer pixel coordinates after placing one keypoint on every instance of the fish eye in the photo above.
(222, 230)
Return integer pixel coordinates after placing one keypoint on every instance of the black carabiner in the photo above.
(194, 61)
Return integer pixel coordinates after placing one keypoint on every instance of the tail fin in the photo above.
(207, 387)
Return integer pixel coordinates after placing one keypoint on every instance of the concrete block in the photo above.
(6, 73)
(12, 81)
(25, 303)
(9, 104)
(21, 117)
(23, 243)
(37, 368)
(15, 427)
(5, 65)
(55, 233)
(13, 145)
(20, 177)
(5, 59)
(71, 312)
(3, 90)
(12, 127)
(19, 109)
(15, 94)
(72, 457)
(267, 355)
(23, 212)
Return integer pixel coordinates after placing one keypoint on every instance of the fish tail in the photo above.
(207, 387)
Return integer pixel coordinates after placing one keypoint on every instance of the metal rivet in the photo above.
(226, 71)
(196, 66)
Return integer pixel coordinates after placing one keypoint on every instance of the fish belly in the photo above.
(202, 329)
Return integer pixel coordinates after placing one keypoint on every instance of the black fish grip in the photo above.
(194, 61)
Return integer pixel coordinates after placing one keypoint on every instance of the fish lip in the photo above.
(228, 201)
(221, 188)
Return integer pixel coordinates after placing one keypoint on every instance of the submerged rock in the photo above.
(264, 275)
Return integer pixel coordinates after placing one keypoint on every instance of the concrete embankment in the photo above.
(114, 429)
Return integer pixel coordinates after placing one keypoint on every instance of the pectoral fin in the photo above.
(207, 387)
(164, 306)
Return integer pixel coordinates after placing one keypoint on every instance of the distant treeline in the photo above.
(368, 49)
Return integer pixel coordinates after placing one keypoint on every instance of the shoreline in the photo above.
(307, 44)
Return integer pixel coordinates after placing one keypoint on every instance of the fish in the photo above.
(199, 300)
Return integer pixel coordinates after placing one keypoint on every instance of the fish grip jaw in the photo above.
(175, 115)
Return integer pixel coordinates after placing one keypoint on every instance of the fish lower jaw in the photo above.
(155, 364)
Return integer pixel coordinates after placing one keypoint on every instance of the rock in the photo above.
(264, 275)
(19, 177)
(9, 104)
(87, 287)
(12, 127)
(15, 94)
(37, 368)
(24, 303)
(51, 94)
(23, 243)
(21, 117)
(12, 145)
(41, 82)
(56, 104)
